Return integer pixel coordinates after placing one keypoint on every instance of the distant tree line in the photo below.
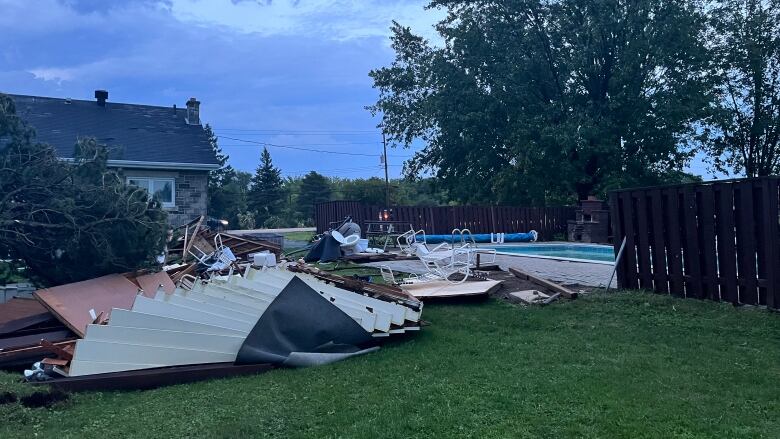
(265, 199)
(543, 102)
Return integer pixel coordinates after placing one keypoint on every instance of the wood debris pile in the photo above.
(143, 331)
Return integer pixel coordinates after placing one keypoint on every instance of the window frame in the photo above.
(150, 183)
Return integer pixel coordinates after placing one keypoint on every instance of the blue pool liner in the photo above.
(478, 237)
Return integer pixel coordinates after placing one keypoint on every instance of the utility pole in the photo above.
(387, 179)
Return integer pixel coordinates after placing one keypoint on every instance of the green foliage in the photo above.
(314, 188)
(743, 134)
(624, 365)
(227, 188)
(265, 195)
(70, 222)
(533, 102)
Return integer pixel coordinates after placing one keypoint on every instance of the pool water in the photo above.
(590, 252)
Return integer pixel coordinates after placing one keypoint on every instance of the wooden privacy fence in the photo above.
(716, 240)
(548, 221)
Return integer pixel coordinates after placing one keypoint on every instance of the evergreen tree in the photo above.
(227, 192)
(315, 188)
(225, 173)
(265, 197)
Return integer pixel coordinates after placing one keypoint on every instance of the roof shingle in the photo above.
(132, 132)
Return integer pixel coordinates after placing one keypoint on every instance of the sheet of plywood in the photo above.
(447, 289)
(151, 282)
(71, 303)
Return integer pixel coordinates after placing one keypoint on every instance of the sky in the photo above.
(284, 72)
(292, 73)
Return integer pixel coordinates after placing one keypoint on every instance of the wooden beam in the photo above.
(565, 292)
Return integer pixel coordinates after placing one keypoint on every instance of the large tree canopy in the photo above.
(541, 101)
(744, 133)
(71, 221)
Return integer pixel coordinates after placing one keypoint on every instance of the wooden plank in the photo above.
(771, 241)
(692, 267)
(746, 245)
(709, 262)
(565, 292)
(615, 210)
(658, 257)
(629, 254)
(643, 244)
(675, 236)
(727, 259)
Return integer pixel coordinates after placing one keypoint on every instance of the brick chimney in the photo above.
(193, 111)
(102, 97)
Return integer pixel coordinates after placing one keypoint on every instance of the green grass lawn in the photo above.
(298, 236)
(624, 365)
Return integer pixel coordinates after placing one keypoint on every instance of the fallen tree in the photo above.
(71, 220)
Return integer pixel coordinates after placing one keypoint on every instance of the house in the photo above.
(162, 149)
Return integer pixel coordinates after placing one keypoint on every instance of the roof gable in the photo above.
(133, 133)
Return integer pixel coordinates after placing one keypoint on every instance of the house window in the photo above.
(162, 189)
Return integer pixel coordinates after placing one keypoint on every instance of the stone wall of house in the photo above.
(191, 197)
(191, 192)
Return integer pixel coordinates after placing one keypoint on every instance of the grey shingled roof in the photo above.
(132, 132)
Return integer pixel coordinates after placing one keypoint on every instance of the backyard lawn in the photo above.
(621, 365)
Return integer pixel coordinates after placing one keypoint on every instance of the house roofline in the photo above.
(137, 164)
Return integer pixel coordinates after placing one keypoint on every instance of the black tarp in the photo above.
(302, 328)
(326, 250)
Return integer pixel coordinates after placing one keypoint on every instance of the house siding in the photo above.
(191, 192)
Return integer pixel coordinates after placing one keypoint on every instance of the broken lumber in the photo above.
(565, 292)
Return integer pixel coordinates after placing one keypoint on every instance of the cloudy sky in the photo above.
(286, 72)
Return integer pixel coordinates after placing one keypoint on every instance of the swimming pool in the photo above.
(603, 254)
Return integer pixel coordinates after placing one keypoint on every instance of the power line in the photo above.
(301, 149)
(323, 144)
(294, 131)
(290, 133)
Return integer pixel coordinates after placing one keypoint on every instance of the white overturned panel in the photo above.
(123, 317)
(151, 306)
(245, 315)
(161, 338)
(78, 367)
(88, 350)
